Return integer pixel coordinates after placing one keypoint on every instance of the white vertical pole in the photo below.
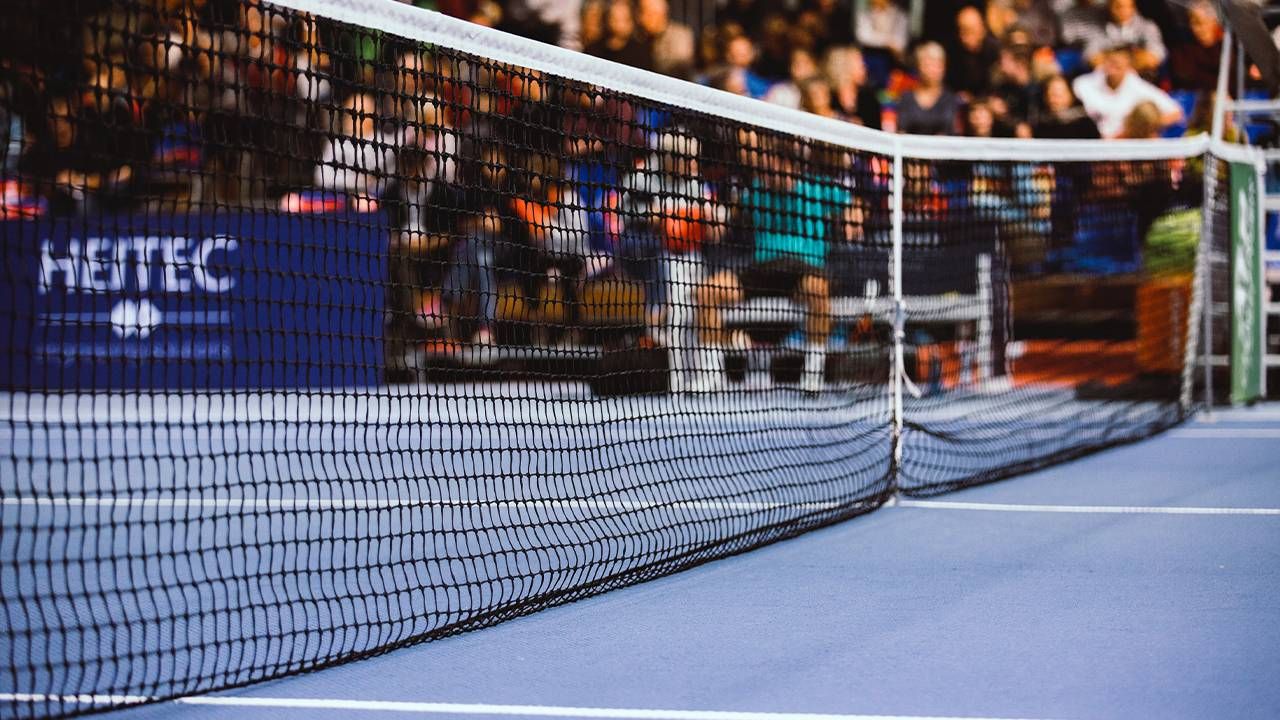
(986, 311)
(1220, 96)
(899, 315)
(1240, 66)
(1260, 269)
(1207, 253)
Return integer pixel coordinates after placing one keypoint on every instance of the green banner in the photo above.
(1246, 260)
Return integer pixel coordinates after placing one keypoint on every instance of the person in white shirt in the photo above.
(359, 159)
(1112, 91)
(1125, 25)
(1083, 22)
(673, 42)
(883, 25)
(565, 16)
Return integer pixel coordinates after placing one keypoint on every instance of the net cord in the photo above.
(435, 28)
(1202, 299)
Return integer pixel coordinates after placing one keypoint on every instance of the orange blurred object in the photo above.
(1161, 308)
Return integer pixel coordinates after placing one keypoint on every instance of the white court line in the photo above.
(430, 708)
(1226, 433)
(1084, 509)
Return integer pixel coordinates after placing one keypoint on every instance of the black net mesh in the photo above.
(1078, 278)
(318, 341)
(1216, 286)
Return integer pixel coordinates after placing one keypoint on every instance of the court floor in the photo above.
(1138, 582)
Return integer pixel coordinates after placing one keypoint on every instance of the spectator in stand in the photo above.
(981, 121)
(1111, 92)
(1125, 25)
(788, 93)
(533, 126)
(972, 57)
(558, 229)
(884, 27)
(730, 80)
(1143, 122)
(13, 131)
(931, 108)
(1060, 117)
(70, 168)
(483, 228)
(709, 56)
(621, 43)
(464, 9)
(1201, 120)
(850, 96)
(484, 12)
(591, 23)
(1016, 92)
(739, 56)
(561, 19)
(774, 45)
(829, 22)
(1193, 64)
(603, 138)
(1034, 17)
(793, 217)
(410, 85)
(672, 44)
(815, 97)
(428, 166)
(745, 14)
(432, 147)
(671, 214)
(358, 158)
(311, 66)
(1083, 22)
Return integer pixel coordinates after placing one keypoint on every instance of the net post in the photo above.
(1220, 107)
(1260, 273)
(1200, 314)
(1206, 282)
(899, 314)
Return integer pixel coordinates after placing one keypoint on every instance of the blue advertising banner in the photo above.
(230, 301)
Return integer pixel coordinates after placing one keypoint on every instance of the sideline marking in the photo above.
(430, 708)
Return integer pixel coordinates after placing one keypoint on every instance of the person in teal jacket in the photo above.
(792, 220)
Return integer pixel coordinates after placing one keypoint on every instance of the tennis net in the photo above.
(332, 327)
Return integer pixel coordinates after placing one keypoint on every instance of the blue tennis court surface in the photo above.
(1138, 582)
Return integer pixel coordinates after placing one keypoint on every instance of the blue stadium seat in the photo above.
(1187, 100)
(1071, 60)
(1258, 133)
(1106, 243)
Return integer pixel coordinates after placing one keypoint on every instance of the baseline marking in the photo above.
(432, 708)
(1085, 509)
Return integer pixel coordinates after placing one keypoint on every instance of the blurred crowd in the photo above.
(507, 192)
(1024, 68)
